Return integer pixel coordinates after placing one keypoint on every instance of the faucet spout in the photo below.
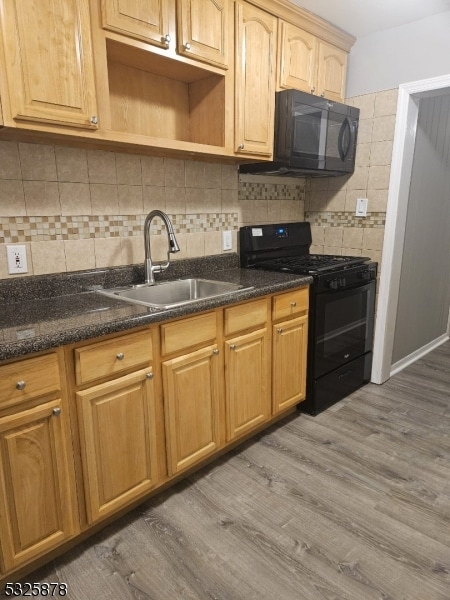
(173, 247)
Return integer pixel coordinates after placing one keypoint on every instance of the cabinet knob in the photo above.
(20, 385)
(293, 304)
(216, 351)
(149, 375)
(232, 346)
(94, 120)
(120, 356)
(279, 330)
(167, 39)
(322, 94)
(187, 46)
(56, 412)
(313, 89)
(241, 147)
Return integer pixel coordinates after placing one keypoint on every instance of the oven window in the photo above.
(343, 326)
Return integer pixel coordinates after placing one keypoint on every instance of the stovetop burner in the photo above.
(312, 263)
(286, 247)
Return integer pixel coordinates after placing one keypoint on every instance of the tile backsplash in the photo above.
(77, 208)
(330, 203)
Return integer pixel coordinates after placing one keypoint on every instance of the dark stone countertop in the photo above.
(43, 312)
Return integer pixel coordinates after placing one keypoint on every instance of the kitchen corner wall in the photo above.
(77, 209)
(330, 202)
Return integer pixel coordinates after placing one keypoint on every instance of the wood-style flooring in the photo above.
(353, 504)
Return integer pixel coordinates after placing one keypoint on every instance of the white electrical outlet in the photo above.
(227, 240)
(17, 259)
(361, 207)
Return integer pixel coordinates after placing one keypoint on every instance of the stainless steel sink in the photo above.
(170, 294)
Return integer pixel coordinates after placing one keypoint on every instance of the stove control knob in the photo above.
(366, 275)
(333, 284)
(342, 282)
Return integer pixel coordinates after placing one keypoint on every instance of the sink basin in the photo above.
(170, 294)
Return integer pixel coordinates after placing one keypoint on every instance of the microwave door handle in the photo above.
(344, 151)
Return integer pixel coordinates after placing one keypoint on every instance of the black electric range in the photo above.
(341, 311)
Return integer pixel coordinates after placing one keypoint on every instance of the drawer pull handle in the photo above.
(56, 412)
(216, 351)
(279, 330)
(20, 385)
(120, 356)
(149, 375)
(293, 304)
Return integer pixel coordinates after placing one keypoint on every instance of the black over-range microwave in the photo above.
(313, 137)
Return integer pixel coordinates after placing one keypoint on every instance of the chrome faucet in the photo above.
(149, 267)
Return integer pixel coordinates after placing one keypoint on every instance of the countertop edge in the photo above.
(64, 334)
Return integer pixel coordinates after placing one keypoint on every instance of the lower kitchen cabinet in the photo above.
(37, 495)
(118, 442)
(247, 366)
(290, 340)
(247, 382)
(191, 400)
(144, 406)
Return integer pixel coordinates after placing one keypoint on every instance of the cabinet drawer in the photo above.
(246, 316)
(188, 333)
(108, 358)
(30, 378)
(290, 304)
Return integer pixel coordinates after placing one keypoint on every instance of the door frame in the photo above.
(394, 234)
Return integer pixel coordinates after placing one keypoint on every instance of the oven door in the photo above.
(343, 326)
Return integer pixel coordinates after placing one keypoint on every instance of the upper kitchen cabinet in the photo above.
(200, 32)
(146, 20)
(162, 90)
(46, 63)
(297, 52)
(255, 80)
(331, 72)
(307, 63)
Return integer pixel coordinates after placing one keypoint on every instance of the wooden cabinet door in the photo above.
(191, 402)
(146, 20)
(255, 80)
(331, 72)
(203, 30)
(290, 340)
(48, 68)
(247, 382)
(296, 59)
(118, 442)
(37, 493)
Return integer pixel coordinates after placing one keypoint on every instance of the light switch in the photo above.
(227, 241)
(361, 207)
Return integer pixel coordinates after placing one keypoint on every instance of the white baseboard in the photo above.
(411, 358)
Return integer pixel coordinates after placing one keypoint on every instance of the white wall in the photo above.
(384, 60)
(424, 294)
